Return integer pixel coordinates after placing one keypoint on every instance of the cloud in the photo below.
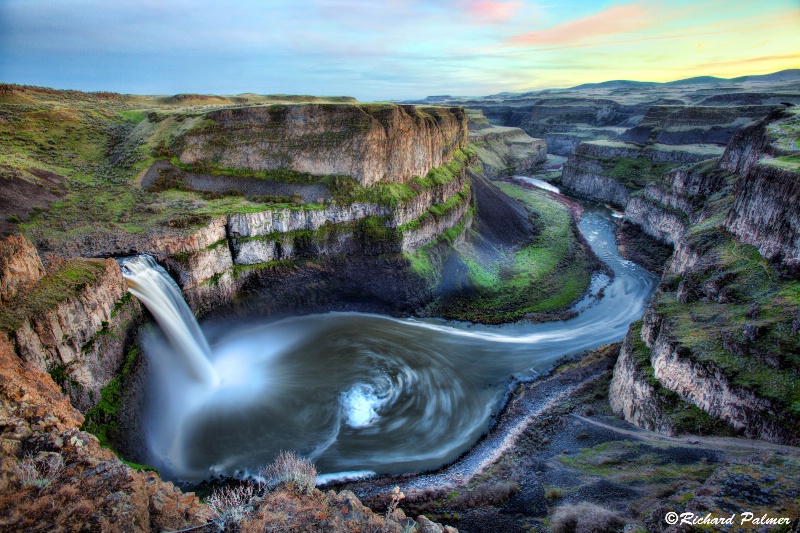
(612, 21)
(737, 62)
(488, 11)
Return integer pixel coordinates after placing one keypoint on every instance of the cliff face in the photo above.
(766, 213)
(44, 457)
(73, 323)
(502, 150)
(682, 124)
(610, 171)
(367, 142)
(709, 387)
(215, 263)
(721, 332)
(633, 396)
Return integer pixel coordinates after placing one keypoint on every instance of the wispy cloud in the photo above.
(387, 49)
(612, 21)
(489, 11)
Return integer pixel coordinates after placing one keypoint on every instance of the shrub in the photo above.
(298, 474)
(230, 506)
(40, 471)
(585, 518)
(553, 493)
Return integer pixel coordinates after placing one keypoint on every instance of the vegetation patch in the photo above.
(67, 281)
(101, 420)
(636, 173)
(546, 275)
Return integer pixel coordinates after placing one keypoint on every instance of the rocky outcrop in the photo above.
(502, 150)
(666, 225)
(610, 171)
(710, 388)
(432, 227)
(684, 125)
(74, 323)
(586, 179)
(44, 457)
(562, 143)
(368, 142)
(632, 394)
(699, 343)
(766, 212)
(20, 266)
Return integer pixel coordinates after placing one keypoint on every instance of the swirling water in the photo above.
(358, 392)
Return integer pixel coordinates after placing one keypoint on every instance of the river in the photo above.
(367, 393)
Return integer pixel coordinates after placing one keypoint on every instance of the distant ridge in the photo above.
(616, 84)
(783, 75)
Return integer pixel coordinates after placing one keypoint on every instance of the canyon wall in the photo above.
(721, 333)
(73, 322)
(610, 172)
(766, 213)
(504, 150)
(368, 142)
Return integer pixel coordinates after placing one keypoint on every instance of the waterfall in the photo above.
(151, 284)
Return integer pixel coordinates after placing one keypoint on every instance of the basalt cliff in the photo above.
(718, 343)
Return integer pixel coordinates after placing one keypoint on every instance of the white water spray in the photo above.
(151, 284)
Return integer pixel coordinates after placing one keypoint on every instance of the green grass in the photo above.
(135, 116)
(49, 291)
(788, 162)
(546, 275)
(636, 173)
(634, 463)
(755, 296)
(101, 420)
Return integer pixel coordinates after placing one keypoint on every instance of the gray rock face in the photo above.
(284, 220)
(585, 179)
(633, 397)
(562, 143)
(503, 151)
(368, 142)
(767, 213)
(708, 387)
(663, 224)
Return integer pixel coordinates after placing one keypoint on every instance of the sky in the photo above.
(386, 49)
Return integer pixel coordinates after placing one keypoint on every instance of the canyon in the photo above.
(270, 208)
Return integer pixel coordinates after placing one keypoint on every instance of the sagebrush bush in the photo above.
(585, 518)
(231, 505)
(297, 473)
(39, 471)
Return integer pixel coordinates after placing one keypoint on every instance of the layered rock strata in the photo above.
(368, 142)
(611, 172)
(503, 150)
(721, 332)
(74, 323)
